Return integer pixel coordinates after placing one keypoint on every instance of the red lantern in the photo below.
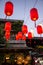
(8, 26)
(30, 35)
(23, 37)
(8, 8)
(39, 29)
(17, 38)
(24, 29)
(34, 15)
(7, 35)
(20, 35)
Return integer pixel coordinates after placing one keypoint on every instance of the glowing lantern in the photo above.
(30, 35)
(24, 29)
(8, 8)
(39, 29)
(20, 35)
(28, 57)
(8, 26)
(20, 59)
(23, 37)
(7, 35)
(19, 63)
(7, 57)
(26, 62)
(34, 15)
(17, 38)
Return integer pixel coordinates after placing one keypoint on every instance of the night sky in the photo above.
(22, 12)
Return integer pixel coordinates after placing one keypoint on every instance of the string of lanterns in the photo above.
(21, 35)
(8, 12)
(19, 58)
(7, 30)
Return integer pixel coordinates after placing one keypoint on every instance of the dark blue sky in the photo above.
(22, 12)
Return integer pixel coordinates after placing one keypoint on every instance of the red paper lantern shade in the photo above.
(39, 29)
(8, 26)
(24, 29)
(23, 37)
(7, 35)
(20, 35)
(34, 14)
(30, 35)
(8, 8)
(17, 38)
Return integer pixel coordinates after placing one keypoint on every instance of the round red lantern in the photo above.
(8, 26)
(20, 35)
(30, 35)
(39, 29)
(23, 37)
(7, 35)
(8, 8)
(24, 29)
(34, 15)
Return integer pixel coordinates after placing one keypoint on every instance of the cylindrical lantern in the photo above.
(30, 35)
(16, 37)
(20, 35)
(34, 15)
(23, 37)
(8, 8)
(8, 26)
(7, 35)
(39, 29)
(24, 29)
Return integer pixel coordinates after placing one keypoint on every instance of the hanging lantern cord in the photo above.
(35, 3)
(40, 35)
(5, 18)
(24, 10)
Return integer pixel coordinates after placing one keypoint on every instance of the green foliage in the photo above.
(12, 58)
(2, 40)
(16, 26)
